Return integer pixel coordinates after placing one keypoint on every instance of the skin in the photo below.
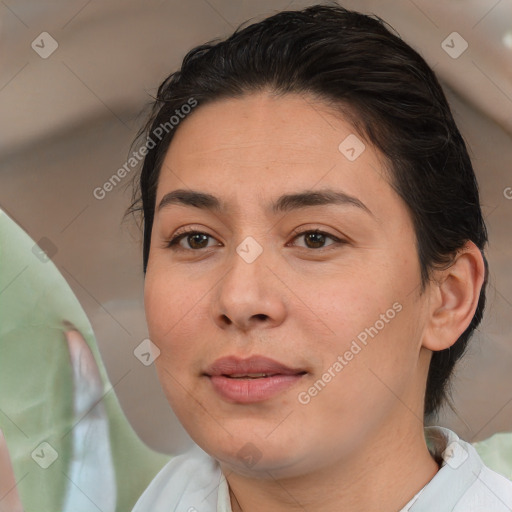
(360, 440)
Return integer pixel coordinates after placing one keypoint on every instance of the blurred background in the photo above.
(75, 79)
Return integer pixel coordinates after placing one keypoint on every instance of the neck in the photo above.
(382, 477)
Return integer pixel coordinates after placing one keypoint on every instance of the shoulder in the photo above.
(187, 482)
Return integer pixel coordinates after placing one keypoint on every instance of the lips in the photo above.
(249, 380)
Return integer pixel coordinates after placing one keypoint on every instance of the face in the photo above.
(286, 303)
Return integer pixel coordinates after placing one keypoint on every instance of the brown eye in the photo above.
(315, 239)
(196, 240)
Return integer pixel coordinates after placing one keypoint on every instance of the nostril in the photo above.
(226, 319)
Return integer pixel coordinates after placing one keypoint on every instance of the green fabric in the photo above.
(36, 381)
(496, 452)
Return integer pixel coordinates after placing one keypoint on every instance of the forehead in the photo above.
(263, 145)
(296, 128)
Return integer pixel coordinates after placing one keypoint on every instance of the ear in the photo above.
(454, 294)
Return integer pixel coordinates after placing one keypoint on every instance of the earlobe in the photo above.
(454, 298)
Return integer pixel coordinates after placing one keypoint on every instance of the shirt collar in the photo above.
(223, 498)
(460, 468)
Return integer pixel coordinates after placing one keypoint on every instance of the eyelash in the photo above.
(173, 243)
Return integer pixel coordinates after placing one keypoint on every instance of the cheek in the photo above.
(175, 311)
(156, 303)
(166, 308)
(167, 300)
(346, 304)
(369, 320)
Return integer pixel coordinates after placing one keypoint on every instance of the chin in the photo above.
(255, 456)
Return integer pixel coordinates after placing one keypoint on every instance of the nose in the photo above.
(249, 296)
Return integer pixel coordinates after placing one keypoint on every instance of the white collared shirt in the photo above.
(193, 482)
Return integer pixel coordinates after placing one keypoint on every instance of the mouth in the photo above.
(255, 379)
(250, 376)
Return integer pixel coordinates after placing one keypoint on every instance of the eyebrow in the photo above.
(284, 203)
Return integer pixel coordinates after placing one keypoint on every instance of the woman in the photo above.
(314, 268)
